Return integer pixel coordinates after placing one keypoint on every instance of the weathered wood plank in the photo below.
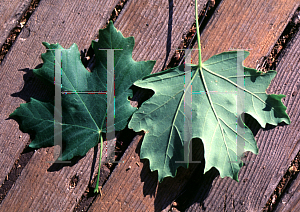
(236, 24)
(54, 21)
(44, 186)
(247, 19)
(290, 200)
(148, 22)
(157, 27)
(277, 146)
(10, 13)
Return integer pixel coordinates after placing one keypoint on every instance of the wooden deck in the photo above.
(158, 27)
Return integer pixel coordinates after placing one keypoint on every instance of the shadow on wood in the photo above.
(35, 87)
(171, 185)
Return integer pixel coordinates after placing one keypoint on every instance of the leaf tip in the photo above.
(31, 145)
(46, 44)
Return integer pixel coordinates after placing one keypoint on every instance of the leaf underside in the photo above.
(83, 115)
(214, 118)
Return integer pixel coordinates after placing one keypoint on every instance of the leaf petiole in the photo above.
(97, 189)
(198, 35)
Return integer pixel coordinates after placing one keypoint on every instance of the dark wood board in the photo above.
(11, 12)
(44, 186)
(290, 199)
(246, 24)
(54, 21)
(277, 145)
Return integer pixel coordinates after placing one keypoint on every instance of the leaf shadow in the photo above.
(169, 36)
(197, 189)
(199, 184)
(181, 188)
(254, 126)
(149, 178)
(34, 87)
(58, 165)
(140, 95)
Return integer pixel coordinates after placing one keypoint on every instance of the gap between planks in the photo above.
(11, 12)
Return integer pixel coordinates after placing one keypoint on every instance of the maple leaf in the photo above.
(214, 114)
(83, 115)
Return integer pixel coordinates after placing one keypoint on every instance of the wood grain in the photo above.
(44, 186)
(158, 27)
(290, 200)
(54, 21)
(11, 12)
(290, 63)
(250, 25)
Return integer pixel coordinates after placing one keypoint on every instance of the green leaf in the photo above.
(214, 114)
(83, 115)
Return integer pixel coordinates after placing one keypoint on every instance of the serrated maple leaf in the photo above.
(214, 114)
(83, 115)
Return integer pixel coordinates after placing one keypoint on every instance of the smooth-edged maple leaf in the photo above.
(83, 115)
(214, 114)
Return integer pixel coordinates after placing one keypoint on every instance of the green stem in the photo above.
(97, 190)
(198, 34)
